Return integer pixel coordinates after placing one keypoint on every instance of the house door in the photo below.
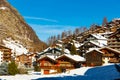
(46, 71)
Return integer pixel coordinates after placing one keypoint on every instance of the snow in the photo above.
(3, 8)
(60, 41)
(95, 50)
(100, 40)
(106, 33)
(98, 36)
(75, 57)
(79, 71)
(110, 49)
(66, 51)
(15, 46)
(100, 43)
(116, 19)
(108, 72)
(47, 49)
(30, 77)
(60, 45)
(49, 56)
(76, 43)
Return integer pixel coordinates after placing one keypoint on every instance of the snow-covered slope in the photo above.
(15, 46)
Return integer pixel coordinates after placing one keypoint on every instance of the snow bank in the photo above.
(79, 71)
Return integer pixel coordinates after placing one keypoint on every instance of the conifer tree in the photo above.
(73, 49)
(12, 68)
(104, 21)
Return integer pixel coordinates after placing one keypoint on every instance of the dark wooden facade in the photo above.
(6, 53)
(112, 54)
(94, 58)
(48, 64)
(52, 51)
(66, 62)
(86, 46)
(23, 59)
(114, 40)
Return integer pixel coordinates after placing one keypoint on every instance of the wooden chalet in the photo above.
(87, 46)
(23, 59)
(32, 56)
(52, 51)
(70, 61)
(114, 40)
(112, 55)
(6, 54)
(94, 58)
(47, 64)
(102, 56)
(97, 38)
(92, 41)
(114, 25)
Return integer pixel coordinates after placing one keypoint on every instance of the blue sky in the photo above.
(51, 17)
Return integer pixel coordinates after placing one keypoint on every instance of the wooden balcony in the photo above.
(108, 55)
(6, 56)
(114, 60)
(117, 43)
(56, 67)
(114, 46)
(7, 59)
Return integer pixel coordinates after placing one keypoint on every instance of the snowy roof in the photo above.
(98, 36)
(47, 49)
(54, 48)
(105, 33)
(66, 51)
(51, 57)
(60, 41)
(94, 50)
(76, 43)
(100, 43)
(116, 19)
(74, 57)
(60, 45)
(110, 49)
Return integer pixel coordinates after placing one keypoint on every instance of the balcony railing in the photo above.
(56, 67)
(109, 55)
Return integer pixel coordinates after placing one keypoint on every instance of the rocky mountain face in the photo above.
(13, 26)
